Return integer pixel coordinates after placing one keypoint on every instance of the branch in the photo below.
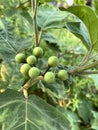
(83, 68)
(34, 10)
(90, 72)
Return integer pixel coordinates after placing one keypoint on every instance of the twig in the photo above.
(93, 56)
(28, 84)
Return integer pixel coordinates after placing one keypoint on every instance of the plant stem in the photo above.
(29, 83)
(46, 69)
(83, 68)
(90, 72)
(34, 9)
(40, 36)
(86, 58)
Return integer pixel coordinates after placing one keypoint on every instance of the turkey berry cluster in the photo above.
(29, 68)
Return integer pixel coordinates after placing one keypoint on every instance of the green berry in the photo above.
(53, 61)
(31, 60)
(34, 72)
(62, 75)
(25, 68)
(49, 77)
(38, 51)
(20, 58)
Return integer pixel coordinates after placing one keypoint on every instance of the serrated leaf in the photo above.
(79, 29)
(52, 18)
(89, 18)
(31, 114)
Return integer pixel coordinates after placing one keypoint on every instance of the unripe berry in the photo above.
(20, 58)
(49, 77)
(31, 60)
(24, 69)
(38, 51)
(34, 72)
(53, 61)
(62, 75)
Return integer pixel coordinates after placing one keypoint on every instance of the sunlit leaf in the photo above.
(10, 76)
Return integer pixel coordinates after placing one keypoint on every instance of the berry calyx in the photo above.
(53, 61)
(24, 69)
(34, 72)
(31, 60)
(38, 52)
(20, 58)
(62, 75)
(49, 77)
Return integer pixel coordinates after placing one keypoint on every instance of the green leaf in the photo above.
(52, 18)
(10, 44)
(94, 77)
(51, 41)
(31, 114)
(88, 16)
(94, 124)
(80, 2)
(21, 13)
(10, 3)
(72, 117)
(84, 110)
(95, 3)
(51, 38)
(79, 29)
(56, 90)
(10, 76)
